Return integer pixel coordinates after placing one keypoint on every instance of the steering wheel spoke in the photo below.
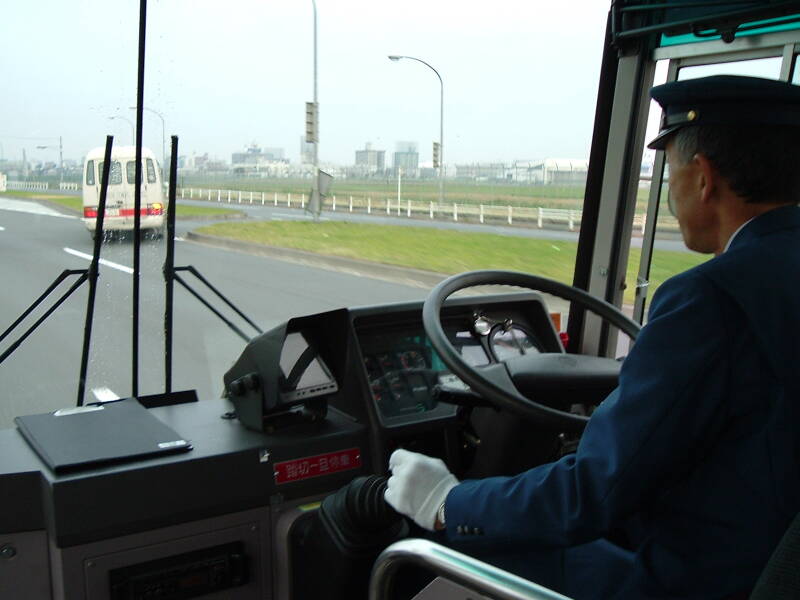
(499, 375)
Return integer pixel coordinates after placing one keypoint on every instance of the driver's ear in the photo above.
(707, 178)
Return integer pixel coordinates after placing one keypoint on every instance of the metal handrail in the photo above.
(473, 574)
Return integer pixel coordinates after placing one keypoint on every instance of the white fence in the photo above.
(482, 213)
(41, 186)
(32, 186)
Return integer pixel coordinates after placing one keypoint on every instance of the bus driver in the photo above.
(688, 474)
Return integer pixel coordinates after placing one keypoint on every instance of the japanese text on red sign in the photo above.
(314, 466)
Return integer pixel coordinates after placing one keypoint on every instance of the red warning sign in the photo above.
(314, 466)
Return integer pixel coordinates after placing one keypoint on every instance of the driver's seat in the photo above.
(780, 579)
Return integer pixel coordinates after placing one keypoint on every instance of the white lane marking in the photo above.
(31, 207)
(103, 394)
(179, 239)
(103, 261)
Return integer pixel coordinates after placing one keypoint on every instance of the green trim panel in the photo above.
(690, 38)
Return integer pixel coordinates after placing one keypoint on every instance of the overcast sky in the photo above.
(520, 76)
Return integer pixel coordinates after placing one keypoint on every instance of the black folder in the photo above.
(90, 436)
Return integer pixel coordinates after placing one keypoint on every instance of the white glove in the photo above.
(418, 486)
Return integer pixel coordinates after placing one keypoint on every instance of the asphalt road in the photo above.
(42, 374)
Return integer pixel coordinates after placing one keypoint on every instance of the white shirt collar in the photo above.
(735, 233)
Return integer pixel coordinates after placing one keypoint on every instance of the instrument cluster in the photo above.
(401, 379)
(402, 368)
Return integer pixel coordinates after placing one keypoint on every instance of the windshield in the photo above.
(450, 137)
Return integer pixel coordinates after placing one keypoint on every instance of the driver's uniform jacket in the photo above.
(694, 459)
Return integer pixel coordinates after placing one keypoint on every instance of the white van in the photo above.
(120, 198)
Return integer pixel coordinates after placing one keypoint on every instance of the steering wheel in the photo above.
(502, 384)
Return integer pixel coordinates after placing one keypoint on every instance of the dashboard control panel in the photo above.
(402, 368)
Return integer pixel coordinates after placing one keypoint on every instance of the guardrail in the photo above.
(538, 216)
(32, 186)
(42, 186)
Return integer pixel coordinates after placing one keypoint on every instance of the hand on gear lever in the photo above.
(418, 486)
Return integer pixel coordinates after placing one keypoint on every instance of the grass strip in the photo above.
(442, 251)
(188, 211)
(38, 195)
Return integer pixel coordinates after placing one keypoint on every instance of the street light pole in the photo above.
(163, 142)
(60, 158)
(127, 120)
(395, 58)
(315, 183)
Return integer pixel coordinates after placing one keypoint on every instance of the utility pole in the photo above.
(399, 177)
(315, 195)
(60, 160)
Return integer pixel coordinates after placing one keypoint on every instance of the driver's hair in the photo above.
(761, 163)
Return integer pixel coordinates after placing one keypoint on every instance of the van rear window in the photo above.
(115, 176)
(151, 171)
(130, 171)
(90, 172)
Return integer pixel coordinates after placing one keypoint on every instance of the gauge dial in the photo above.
(413, 359)
(386, 362)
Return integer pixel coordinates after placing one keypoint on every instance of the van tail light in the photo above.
(89, 212)
(156, 208)
(564, 337)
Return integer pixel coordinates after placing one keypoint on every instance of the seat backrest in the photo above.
(781, 577)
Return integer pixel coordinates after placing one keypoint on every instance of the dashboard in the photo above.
(401, 367)
(377, 367)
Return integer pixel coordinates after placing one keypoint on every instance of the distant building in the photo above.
(481, 171)
(559, 171)
(370, 161)
(202, 162)
(306, 151)
(549, 171)
(257, 161)
(215, 165)
(429, 173)
(197, 163)
(254, 155)
(406, 158)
